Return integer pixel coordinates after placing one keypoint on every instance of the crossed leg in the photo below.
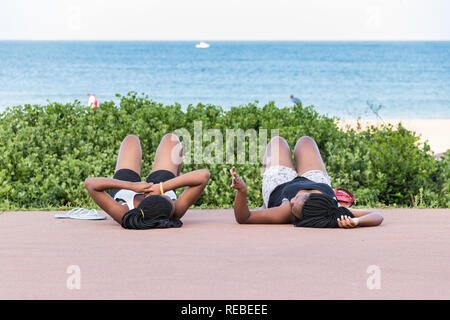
(169, 155)
(307, 156)
(277, 153)
(130, 154)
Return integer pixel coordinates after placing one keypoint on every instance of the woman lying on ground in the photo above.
(136, 204)
(301, 195)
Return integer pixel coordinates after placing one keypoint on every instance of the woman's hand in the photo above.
(347, 222)
(155, 189)
(142, 187)
(237, 183)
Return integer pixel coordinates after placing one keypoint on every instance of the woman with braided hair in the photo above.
(301, 195)
(152, 203)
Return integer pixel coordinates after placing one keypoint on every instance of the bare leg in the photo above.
(307, 156)
(277, 153)
(130, 154)
(169, 155)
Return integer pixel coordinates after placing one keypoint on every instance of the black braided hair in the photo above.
(321, 211)
(153, 212)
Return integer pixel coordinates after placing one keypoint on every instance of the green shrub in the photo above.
(48, 151)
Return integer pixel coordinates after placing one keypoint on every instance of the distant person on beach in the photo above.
(92, 101)
(294, 99)
(152, 203)
(301, 195)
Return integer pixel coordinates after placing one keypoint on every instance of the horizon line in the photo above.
(237, 40)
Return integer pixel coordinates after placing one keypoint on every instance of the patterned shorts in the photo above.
(276, 175)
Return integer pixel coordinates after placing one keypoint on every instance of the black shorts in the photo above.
(132, 176)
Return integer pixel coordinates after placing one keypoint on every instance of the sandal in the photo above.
(82, 214)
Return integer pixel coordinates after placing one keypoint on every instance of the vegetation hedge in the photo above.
(47, 152)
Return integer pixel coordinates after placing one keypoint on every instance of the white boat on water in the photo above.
(202, 45)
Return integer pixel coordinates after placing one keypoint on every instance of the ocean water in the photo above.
(399, 79)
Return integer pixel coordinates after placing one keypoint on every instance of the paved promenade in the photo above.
(212, 257)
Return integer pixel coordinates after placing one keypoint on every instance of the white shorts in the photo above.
(276, 175)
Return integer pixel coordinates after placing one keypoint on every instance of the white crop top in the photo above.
(128, 196)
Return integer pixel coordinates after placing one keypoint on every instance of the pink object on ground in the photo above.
(212, 257)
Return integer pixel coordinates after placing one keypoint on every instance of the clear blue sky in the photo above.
(225, 19)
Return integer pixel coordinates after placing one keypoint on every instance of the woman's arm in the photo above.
(97, 186)
(190, 179)
(275, 215)
(363, 218)
(367, 218)
(196, 182)
(244, 215)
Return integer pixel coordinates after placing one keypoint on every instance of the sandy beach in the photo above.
(435, 131)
